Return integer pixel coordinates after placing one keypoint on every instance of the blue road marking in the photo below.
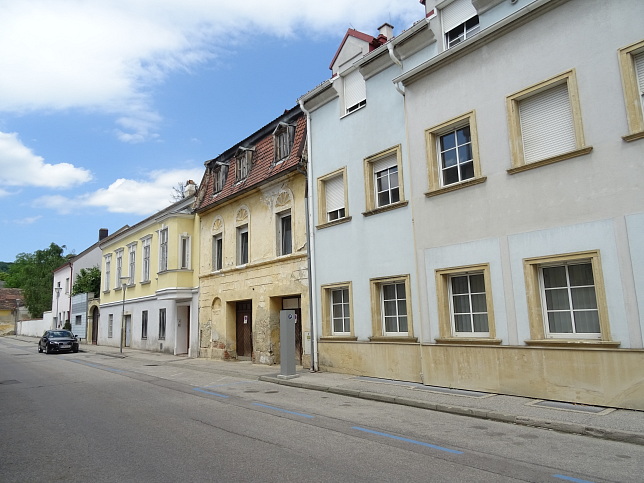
(210, 392)
(407, 440)
(284, 410)
(570, 478)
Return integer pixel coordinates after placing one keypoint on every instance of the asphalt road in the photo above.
(92, 418)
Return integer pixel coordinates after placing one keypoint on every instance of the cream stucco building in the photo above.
(252, 225)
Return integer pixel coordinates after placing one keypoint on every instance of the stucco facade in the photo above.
(150, 270)
(253, 245)
(516, 211)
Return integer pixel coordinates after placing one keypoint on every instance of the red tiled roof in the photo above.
(263, 167)
(372, 41)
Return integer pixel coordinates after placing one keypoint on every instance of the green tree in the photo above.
(87, 280)
(34, 274)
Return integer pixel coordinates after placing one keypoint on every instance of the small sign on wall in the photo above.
(307, 343)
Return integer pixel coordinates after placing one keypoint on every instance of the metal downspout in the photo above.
(310, 252)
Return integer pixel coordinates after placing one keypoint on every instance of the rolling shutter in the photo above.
(547, 125)
(384, 163)
(639, 69)
(354, 89)
(334, 193)
(456, 13)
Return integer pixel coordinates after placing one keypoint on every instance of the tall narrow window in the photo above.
(110, 326)
(385, 172)
(284, 233)
(184, 254)
(334, 189)
(145, 276)
(468, 305)
(163, 250)
(217, 252)
(282, 141)
(242, 245)
(340, 311)
(355, 91)
(221, 170)
(119, 267)
(384, 181)
(67, 285)
(144, 324)
(457, 163)
(243, 162)
(161, 324)
(394, 308)
(108, 273)
(631, 64)
(132, 268)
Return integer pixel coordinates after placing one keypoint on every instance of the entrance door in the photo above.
(244, 330)
(95, 316)
(183, 330)
(128, 330)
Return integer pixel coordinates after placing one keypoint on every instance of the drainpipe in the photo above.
(390, 49)
(310, 252)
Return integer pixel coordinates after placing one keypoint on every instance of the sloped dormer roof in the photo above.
(355, 44)
(263, 164)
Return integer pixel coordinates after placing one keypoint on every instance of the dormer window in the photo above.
(220, 173)
(460, 22)
(355, 92)
(282, 141)
(244, 160)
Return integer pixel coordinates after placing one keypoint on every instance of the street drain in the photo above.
(152, 365)
(577, 408)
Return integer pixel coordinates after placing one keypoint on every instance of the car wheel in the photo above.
(39, 349)
(75, 350)
(47, 349)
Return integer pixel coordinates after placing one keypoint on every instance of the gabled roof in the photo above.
(372, 41)
(263, 165)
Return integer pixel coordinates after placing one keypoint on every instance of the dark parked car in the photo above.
(58, 341)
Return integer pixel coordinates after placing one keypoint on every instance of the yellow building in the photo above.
(253, 264)
(149, 283)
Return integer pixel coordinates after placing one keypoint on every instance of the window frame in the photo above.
(241, 230)
(446, 324)
(119, 267)
(131, 250)
(569, 78)
(144, 324)
(372, 207)
(348, 77)
(108, 272)
(323, 213)
(283, 139)
(243, 164)
(281, 240)
(163, 249)
(434, 160)
(327, 311)
(110, 326)
(147, 254)
(457, 14)
(220, 173)
(162, 323)
(217, 259)
(538, 331)
(633, 97)
(377, 313)
(185, 245)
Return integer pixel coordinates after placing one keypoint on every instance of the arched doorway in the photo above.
(95, 317)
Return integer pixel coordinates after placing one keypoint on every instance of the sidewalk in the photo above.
(607, 423)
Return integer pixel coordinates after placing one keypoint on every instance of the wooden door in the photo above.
(244, 329)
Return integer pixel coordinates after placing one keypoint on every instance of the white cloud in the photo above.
(139, 197)
(19, 166)
(29, 220)
(61, 54)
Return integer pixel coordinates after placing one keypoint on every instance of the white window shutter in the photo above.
(384, 163)
(354, 89)
(334, 193)
(456, 13)
(547, 125)
(639, 68)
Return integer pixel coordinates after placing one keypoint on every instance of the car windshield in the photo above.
(60, 333)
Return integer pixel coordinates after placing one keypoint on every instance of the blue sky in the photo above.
(105, 106)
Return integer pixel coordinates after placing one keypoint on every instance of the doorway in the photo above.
(95, 316)
(244, 330)
(183, 329)
(128, 330)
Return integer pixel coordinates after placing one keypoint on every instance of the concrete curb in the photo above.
(560, 426)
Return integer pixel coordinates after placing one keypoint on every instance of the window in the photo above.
(337, 311)
(465, 308)
(108, 266)
(243, 161)
(145, 276)
(383, 181)
(284, 233)
(78, 320)
(242, 245)
(545, 123)
(217, 252)
(163, 250)
(119, 267)
(460, 22)
(332, 198)
(67, 285)
(391, 314)
(453, 158)
(144, 324)
(161, 324)
(282, 141)
(355, 91)
(631, 62)
(566, 299)
(132, 255)
(110, 326)
(221, 171)
(184, 251)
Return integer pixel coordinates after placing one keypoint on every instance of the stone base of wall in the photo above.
(602, 377)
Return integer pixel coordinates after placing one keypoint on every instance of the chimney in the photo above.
(386, 30)
(102, 234)
(191, 188)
